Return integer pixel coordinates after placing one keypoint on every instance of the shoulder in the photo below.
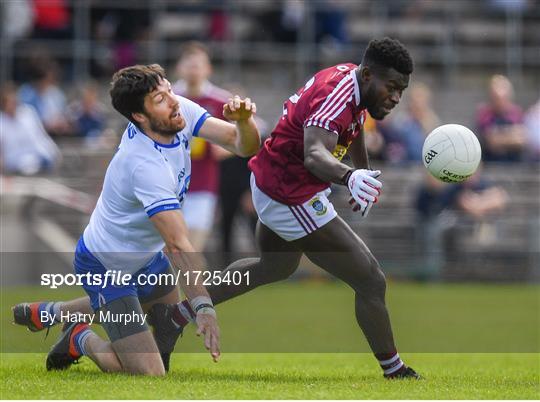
(515, 112)
(335, 78)
(27, 111)
(484, 112)
(335, 73)
(27, 92)
(134, 152)
(149, 167)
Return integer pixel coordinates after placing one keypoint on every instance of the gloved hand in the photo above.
(365, 189)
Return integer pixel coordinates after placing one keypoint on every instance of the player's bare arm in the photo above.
(320, 161)
(182, 256)
(241, 138)
(318, 158)
(358, 152)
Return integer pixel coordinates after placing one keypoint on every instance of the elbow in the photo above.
(310, 162)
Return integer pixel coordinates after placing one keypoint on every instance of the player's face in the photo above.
(162, 111)
(384, 90)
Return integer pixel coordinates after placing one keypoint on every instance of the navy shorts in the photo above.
(103, 293)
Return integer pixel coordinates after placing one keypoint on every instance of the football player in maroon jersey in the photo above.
(290, 183)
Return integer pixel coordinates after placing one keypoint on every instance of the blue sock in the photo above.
(79, 340)
(53, 310)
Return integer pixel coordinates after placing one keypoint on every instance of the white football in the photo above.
(451, 153)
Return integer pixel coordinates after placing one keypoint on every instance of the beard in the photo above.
(165, 128)
(377, 113)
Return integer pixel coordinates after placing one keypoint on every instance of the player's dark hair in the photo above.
(388, 53)
(130, 85)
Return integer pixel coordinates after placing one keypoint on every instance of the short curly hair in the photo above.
(390, 53)
(130, 85)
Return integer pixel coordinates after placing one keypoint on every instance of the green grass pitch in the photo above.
(468, 341)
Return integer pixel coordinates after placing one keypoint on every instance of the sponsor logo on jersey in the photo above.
(318, 206)
(339, 151)
(428, 157)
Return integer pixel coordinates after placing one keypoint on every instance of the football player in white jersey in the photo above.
(137, 215)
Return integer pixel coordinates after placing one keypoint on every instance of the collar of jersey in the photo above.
(156, 144)
(356, 87)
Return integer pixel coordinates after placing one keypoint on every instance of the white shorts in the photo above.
(199, 209)
(292, 222)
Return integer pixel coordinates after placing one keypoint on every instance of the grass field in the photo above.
(283, 376)
(468, 341)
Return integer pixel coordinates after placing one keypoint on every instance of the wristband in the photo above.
(201, 306)
(200, 302)
(207, 310)
(345, 178)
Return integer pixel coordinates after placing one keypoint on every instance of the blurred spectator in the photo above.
(46, 97)
(285, 21)
(121, 29)
(17, 19)
(404, 135)
(508, 6)
(532, 122)
(475, 198)
(282, 21)
(330, 22)
(218, 24)
(500, 123)
(52, 19)
(439, 205)
(25, 146)
(87, 113)
(194, 69)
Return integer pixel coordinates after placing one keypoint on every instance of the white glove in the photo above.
(365, 189)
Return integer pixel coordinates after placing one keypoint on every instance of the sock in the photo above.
(53, 310)
(56, 307)
(183, 315)
(78, 338)
(390, 363)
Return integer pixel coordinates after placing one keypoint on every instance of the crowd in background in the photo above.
(37, 114)
(507, 132)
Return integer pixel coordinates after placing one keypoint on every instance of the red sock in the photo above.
(183, 315)
(390, 363)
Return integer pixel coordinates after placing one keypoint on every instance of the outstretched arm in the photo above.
(182, 256)
(241, 138)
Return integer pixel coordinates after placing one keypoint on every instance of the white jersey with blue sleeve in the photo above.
(143, 178)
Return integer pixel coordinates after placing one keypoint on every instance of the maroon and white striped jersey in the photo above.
(330, 100)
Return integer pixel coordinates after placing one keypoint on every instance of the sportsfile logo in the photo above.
(119, 278)
(428, 157)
